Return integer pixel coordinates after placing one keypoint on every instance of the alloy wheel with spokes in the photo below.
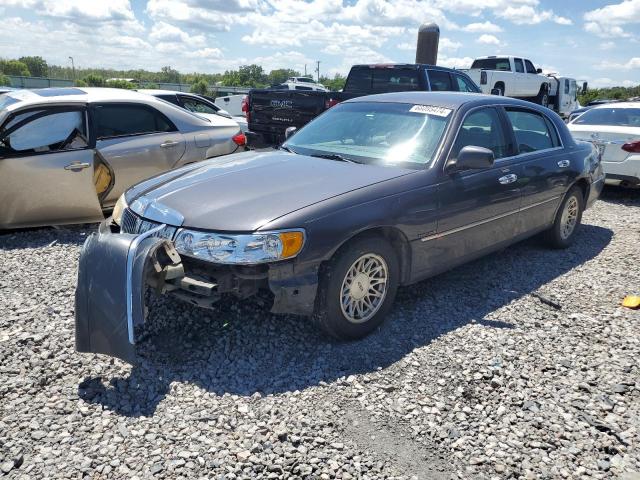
(569, 218)
(364, 288)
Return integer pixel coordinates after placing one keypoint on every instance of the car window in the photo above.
(519, 65)
(619, 117)
(463, 84)
(530, 67)
(531, 130)
(359, 80)
(492, 64)
(170, 98)
(395, 80)
(440, 81)
(56, 131)
(566, 86)
(298, 87)
(482, 128)
(196, 106)
(125, 120)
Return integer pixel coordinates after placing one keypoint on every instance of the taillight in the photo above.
(330, 103)
(632, 147)
(246, 107)
(240, 139)
(483, 77)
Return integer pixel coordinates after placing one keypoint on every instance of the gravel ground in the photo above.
(519, 365)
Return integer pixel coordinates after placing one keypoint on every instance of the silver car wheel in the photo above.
(569, 218)
(364, 288)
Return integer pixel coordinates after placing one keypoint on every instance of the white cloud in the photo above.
(482, 27)
(606, 82)
(445, 44)
(607, 21)
(454, 62)
(528, 15)
(488, 39)
(631, 64)
(607, 46)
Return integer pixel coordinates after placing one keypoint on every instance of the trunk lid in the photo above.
(608, 139)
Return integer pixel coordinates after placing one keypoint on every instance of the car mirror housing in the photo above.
(538, 70)
(288, 133)
(473, 158)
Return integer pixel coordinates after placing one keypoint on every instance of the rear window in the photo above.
(381, 80)
(619, 117)
(492, 64)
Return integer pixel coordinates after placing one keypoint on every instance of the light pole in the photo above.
(73, 67)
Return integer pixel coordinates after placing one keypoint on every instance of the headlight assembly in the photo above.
(119, 209)
(243, 249)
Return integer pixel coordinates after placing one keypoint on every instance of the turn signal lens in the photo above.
(291, 243)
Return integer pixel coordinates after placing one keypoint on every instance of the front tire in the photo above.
(567, 222)
(357, 288)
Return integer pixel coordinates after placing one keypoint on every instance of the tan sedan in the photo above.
(67, 154)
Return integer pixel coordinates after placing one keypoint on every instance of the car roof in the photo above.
(452, 100)
(70, 95)
(156, 91)
(406, 65)
(616, 105)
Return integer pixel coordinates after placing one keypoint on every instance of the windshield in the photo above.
(620, 117)
(383, 133)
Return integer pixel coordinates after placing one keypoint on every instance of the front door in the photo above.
(137, 141)
(47, 169)
(477, 208)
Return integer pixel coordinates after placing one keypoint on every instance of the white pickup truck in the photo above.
(511, 76)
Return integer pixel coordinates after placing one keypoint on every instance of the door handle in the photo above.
(507, 179)
(77, 166)
(564, 163)
(168, 144)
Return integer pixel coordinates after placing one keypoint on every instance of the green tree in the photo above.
(200, 87)
(37, 66)
(14, 67)
(168, 75)
(81, 83)
(334, 84)
(280, 75)
(94, 80)
(120, 84)
(4, 81)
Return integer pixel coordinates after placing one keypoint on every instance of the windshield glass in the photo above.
(383, 133)
(492, 64)
(621, 117)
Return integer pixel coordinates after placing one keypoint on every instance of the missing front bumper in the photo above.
(113, 272)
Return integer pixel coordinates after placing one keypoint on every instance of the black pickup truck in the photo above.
(271, 111)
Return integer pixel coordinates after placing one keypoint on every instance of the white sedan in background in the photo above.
(615, 129)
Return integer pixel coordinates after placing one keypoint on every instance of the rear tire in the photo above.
(499, 87)
(567, 222)
(357, 288)
(543, 97)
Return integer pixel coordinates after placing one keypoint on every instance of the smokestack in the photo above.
(427, 48)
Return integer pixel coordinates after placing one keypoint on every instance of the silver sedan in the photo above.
(67, 154)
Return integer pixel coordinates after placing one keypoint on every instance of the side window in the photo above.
(519, 65)
(566, 86)
(45, 132)
(463, 84)
(530, 67)
(359, 80)
(170, 98)
(440, 81)
(125, 120)
(532, 131)
(483, 128)
(196, 106)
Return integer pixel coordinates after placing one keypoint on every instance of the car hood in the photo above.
(245, 191)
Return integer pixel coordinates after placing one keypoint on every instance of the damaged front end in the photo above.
(113, 272)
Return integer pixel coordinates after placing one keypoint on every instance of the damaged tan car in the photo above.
(67, 154)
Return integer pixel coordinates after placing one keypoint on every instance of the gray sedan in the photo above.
(67, 154)
(375, 193)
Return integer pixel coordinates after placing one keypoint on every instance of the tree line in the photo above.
(253, 76)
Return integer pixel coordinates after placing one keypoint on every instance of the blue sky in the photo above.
(591, 40)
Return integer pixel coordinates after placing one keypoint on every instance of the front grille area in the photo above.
(132, 223)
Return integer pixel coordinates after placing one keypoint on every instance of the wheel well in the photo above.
(584, 186)
(397, 240)
(499, 85)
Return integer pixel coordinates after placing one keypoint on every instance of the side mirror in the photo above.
(289, 132)
(496, 91)
(538, 70)
(585, 85)
(472, 157)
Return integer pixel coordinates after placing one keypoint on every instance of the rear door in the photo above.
(546, 169)
(137, 141)
(47, 169)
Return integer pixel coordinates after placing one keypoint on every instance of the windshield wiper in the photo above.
(334, 156)
(286, 149)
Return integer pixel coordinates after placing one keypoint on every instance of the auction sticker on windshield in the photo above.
(431, 110)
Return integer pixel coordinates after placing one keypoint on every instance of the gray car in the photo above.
(375, 193)
(67, 154)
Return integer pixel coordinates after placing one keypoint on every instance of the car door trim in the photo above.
(487, 220)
